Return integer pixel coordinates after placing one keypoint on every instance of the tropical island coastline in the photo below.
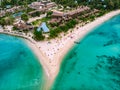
(51, 67)
(51, 29)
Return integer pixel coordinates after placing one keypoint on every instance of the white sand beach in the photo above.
(50, 53)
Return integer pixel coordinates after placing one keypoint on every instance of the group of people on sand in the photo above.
(52, 47)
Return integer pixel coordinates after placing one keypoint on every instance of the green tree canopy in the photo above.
(49, 13)
(24, 17)
(99, 4)
(38, 35)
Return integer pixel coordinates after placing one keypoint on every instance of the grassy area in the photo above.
(46, 19)
(39, 21)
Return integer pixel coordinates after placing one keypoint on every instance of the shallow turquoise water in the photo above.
(19, 68)
(94, 64)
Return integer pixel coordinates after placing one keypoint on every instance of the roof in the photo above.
(17, 14)
(54, 20)
(71, 13)
(22, 25)
(58, 13)
(43, 27)
(78, 10)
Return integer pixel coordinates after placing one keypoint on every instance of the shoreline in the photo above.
(40, 56)
(50, 55)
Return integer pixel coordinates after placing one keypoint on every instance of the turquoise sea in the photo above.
(19, 67)
(94, 64)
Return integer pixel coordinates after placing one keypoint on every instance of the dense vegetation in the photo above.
(6, 21)
(16, 2)
(99, 4)
(37, 13)
(38, 35)
(64, 28)
(24, 17)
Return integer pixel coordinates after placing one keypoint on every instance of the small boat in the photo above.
(76, 42)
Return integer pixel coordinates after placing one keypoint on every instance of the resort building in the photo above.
(43, 27)
(90, 13)
(78, 11)
(10, 10)
(58, 16)
(21, 25)
(36, 5)
(42, 5)
(50, 5)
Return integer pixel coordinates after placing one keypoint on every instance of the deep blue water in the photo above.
(19, 67)
(94, 64)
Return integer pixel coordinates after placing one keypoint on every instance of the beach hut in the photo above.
(43, 27)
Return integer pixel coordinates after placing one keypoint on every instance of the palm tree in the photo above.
(25, 5)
